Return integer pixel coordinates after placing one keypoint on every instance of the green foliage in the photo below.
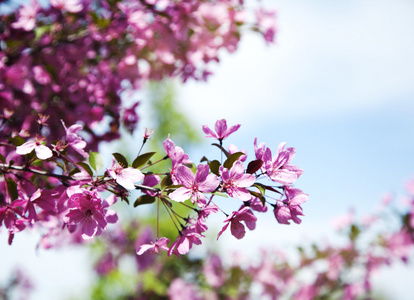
(169, 118)
(95, 160)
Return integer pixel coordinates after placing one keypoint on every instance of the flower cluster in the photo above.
(71, 60)
(55, 185)
(343, 267)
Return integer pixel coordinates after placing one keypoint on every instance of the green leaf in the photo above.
(86, 167)
(222, 149)
(41, 30)
(3, 160)
(73, 171)
(121, 159)
(355, 231)
(260, 196)
(17, 140)
(173, 186)
(95, 160)
(232, 159)
(144, 199)
(12, 189)
(261, 187)
(166, 181)
(142, 159)
(215, 167)
(221, 194)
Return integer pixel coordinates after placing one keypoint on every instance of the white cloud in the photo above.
(327, 59)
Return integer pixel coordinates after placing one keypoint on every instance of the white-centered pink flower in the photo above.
(42, 151)
(194, 185)
(235, 181)
(125, 177)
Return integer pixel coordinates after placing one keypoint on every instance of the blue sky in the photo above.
(337, 86)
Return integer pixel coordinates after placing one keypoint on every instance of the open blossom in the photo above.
(27, 16)
(74, 140)
(73, 6)
(221, 130)
(177, 155)
(194, 185)
(42, 152)
(188, 236)
(125, 176)
(290, 208)
(87, 210)
(160, 244)
(278, 167)
(237, 228)
(235, 181)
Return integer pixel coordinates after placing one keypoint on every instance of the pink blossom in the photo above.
(29, 207)
(150, 181)
(278, 167)
(235, 181)
(125, 176)
(130, 118)
(86, 209)
(213, 271)
(41, 75)
(194, 185)
(221, 130)
(160, 244)
(177, 155)
(74, 140)
(73, 6)
(27, 16)
(148, 133)
(237, 228)
(180, 290)
(188, 236)
(42, 152)
(9, 214)
(290, 208)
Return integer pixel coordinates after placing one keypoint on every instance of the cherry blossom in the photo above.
(221, 130)
(125, 177)
(42, 151)
(194, 185)
(235, 181)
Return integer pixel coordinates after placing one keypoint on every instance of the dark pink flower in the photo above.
(194, 185)
(9, 214)
(86, 210)
(188, 236)
(235, 181)
(290, 208)
(130, 118)
(221, 130)
(150, 181)
(74, 140)
(237, 228)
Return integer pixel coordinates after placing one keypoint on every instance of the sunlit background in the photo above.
(338, 85)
